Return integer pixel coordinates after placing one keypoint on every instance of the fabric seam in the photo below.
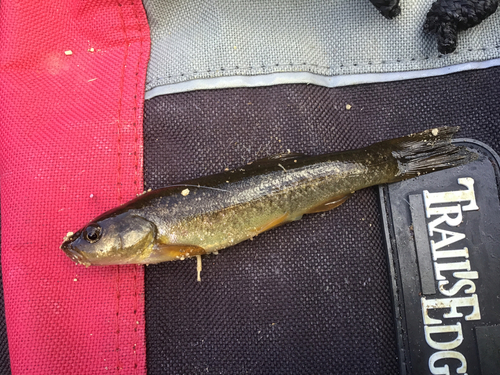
(136, 160)
(189, 75)
(128, 42)
(122, 79)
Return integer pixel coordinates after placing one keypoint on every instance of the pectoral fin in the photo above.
(327, 206)
(165, 253)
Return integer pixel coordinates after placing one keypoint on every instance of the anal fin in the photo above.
(327, 206)
(272, 224)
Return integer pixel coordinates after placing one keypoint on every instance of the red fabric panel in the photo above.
(70, 148)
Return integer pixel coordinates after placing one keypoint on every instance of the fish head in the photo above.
(121, 239)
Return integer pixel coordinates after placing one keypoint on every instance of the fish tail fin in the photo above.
(428, 151)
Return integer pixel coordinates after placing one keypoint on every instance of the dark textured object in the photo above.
(4, 344)
(262, 307)
(388, 8)
(447, 17)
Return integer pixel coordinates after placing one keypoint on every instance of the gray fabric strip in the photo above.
(309, 78)
(194, 42)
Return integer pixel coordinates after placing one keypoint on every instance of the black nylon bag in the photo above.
(312, 296)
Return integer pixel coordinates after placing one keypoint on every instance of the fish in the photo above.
(210, 213)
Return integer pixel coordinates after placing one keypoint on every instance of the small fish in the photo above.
(210, 213)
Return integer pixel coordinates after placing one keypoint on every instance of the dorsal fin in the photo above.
(278, 157)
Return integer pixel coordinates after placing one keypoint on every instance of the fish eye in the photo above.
(92, 233)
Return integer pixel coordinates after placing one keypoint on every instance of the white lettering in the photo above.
(456, 287)
(471, 275)
(444, 345)
(439, 267)
(449, 212)
(445, 217)
(447, 238)
(446, 369)
(450, 303)
(461, 253)
(453, 196)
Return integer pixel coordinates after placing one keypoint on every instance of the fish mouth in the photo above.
(74, 254)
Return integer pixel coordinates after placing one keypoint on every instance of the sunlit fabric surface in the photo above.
(198, 40)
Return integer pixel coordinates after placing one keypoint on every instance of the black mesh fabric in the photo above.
(312, 296)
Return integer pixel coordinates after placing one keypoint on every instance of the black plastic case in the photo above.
(443, 249)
